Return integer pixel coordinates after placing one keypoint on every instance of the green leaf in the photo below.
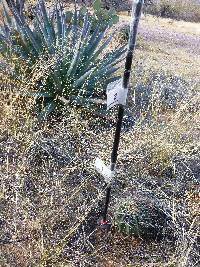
(38, 94)
(47, 23)
(46, 111)
(7, 16)
(96, 5)
(59, 23)
(82, 79)
(68, 16)
(83, 11)
(115, 19)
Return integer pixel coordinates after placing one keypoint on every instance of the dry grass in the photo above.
(48, 191)
(168, 45)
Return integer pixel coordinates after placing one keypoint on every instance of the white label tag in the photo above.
(116, 94)
(104, 170)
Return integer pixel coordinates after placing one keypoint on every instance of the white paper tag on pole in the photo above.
(104, 170)
(116, 94)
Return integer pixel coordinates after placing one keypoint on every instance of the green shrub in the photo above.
(67, 60)
(176, 9)
(103, 15)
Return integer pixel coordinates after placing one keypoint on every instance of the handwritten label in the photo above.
(116, 94)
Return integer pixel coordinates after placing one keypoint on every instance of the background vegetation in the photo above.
(175, 9)
(187, 10)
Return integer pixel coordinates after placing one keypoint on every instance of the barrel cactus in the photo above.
(141, 217)
(126, 219)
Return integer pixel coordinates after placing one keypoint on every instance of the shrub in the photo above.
(176, 9)
(62, 59)
(101, 15)
(118, 5)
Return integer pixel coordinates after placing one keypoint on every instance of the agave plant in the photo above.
(81, 67)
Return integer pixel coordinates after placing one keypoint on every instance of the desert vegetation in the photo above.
(175, 9)
(55, 66)
(187, 10)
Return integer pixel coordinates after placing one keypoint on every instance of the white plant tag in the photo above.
(116, 94)
(104, 170)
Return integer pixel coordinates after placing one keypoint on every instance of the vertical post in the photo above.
(136, 13)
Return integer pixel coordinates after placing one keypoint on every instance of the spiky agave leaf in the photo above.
(80, 67)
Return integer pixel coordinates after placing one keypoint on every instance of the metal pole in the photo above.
(136, 13)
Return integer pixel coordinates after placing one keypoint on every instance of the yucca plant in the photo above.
(80, 67)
